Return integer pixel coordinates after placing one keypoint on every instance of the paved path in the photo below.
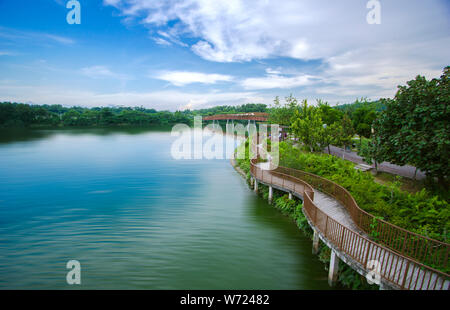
(404, 171)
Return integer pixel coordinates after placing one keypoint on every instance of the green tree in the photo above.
(362, 120)
(343, 133)
(307, 125)
(326, 136)
(106, 116)
(71, 118)
(282, 114)
(371, 151)
(329, 114)
(414, 127)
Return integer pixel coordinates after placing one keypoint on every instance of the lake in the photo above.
(135, 218)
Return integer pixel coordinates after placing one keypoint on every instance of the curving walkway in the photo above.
(332, 218)
(334, 209)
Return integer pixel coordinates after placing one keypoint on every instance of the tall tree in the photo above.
(329, 114)
(281, 114)
(343, 133)
(372, 151)
(326, 136)
(362, 120)
(307, 126)
(414, 127)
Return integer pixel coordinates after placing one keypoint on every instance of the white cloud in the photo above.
(60, 39)
(33, 37)
(100, 72)
(273, 71)
(6, 53)
(347, 58)
(161, 41)
(354, 58)
(171, 36)
(277, 81)
(181, 78)
(242, 30)
(111, 2)
(377, 71)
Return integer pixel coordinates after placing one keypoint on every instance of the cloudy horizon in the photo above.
(179, 54)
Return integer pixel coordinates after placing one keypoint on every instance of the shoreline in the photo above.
(237, 168)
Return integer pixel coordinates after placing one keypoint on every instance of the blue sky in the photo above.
(178, 54)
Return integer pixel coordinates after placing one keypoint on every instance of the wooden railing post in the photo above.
(404, 244)
(342, 237)
(367, 254)
(405, 275)
(446, 257)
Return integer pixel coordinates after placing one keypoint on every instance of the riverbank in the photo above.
(237, 168)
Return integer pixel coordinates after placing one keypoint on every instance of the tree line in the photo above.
(26, 115)
(320, 126)
(412, 128)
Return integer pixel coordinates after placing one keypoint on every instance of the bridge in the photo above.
(402, 259)
(251, 116)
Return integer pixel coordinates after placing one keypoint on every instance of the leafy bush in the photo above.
(421, 212)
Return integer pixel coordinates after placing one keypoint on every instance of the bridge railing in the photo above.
(428, 251)
(401, 271)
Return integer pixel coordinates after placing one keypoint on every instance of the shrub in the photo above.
(421, 212)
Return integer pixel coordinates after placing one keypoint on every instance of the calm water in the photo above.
(137, 219)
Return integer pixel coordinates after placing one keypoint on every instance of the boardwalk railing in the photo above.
(428, 251)
(400, 271)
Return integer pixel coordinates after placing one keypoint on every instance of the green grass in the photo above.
(406, 184)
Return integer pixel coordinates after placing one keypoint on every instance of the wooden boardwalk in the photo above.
(334, 209)
(415, 279)
(332, 222)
